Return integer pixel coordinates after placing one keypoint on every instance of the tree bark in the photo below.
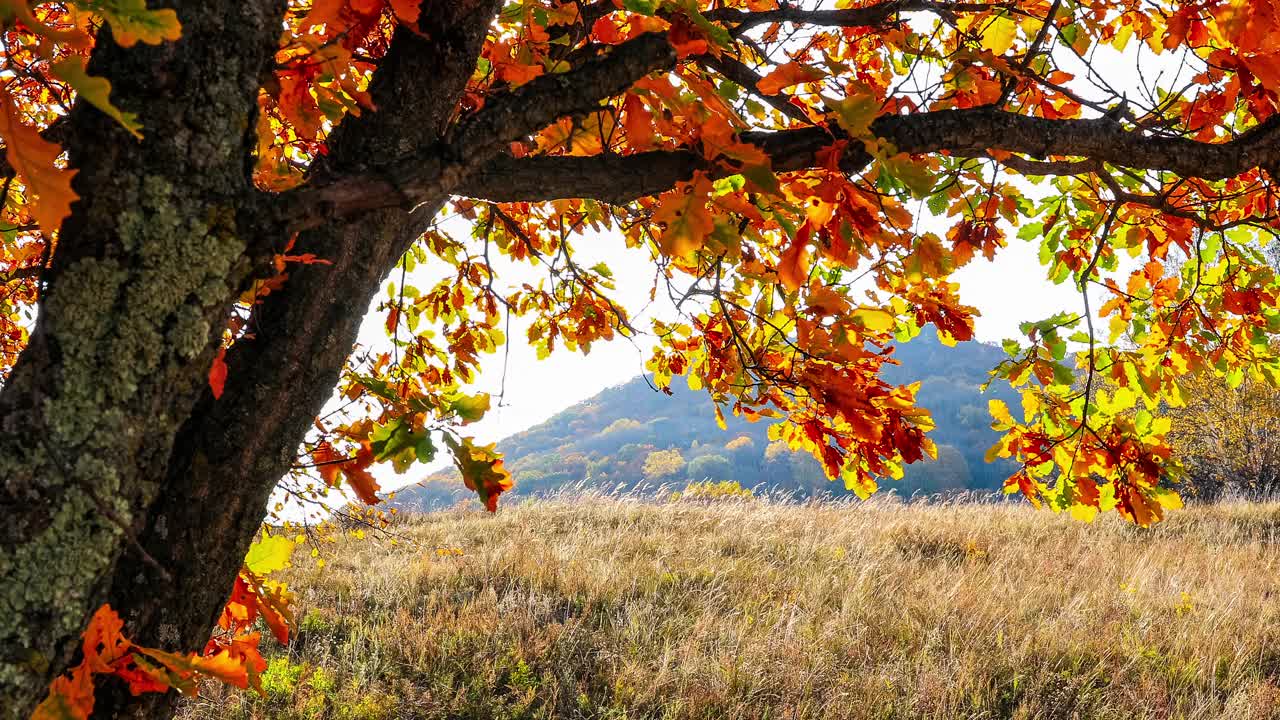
(137, 296)
(231, 452)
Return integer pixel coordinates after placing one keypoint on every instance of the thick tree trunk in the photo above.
(137, 297)
(230, 453)
(129, 483)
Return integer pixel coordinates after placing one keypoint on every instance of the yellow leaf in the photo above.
(95, 90)
(269, 554)
(1000, 411)
(874, 318)
(49, 193)
(1084, 513)
(998, 35)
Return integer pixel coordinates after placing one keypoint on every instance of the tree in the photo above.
(710, 467)
(233, 197)
(663, 465)
(1228, 436)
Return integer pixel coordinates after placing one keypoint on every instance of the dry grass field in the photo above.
(608, 608)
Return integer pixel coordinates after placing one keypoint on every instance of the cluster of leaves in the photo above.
(231, 657)
(808, 275)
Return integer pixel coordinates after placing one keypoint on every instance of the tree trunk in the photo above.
(189, 476)
(137, 297)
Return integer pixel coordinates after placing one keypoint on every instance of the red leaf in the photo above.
(218, 374)
(358, 476)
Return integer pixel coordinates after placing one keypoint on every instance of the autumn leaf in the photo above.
(95, 90)
(132, 22)
(358, 476)
(218, 374)
(874, 319)
(21, 10)
(793, 265)
(67, 700)
(637, 122)
(785, 76)
(406, 11)
(481, 468)
(1000, 411)
(221, 666)
(470, 408)
(35, 161)
(268, 554)
(998, 34)
(686, 216)
(855, 113)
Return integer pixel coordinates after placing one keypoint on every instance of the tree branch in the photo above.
(436, 170)
(871, 15)
(969, 133)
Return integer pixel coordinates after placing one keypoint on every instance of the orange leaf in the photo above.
(218, 374)
(688, 221)
(406, 11)
(49, 193)
(222, 665)
(328, 462)
(686, 38)
(793, 73)
(103, 642)
(70, 698)
(793, 266)
(638, 123)
(482, 470)
(358, 476)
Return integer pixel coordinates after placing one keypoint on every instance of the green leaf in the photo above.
(1030, 231)
(269, 554)
(715, 33)
(644, 7)
(856, 112)
(131, 21)
(916, 176)
(763, 178)
(470, 408)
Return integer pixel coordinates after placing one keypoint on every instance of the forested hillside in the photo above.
(631, 436)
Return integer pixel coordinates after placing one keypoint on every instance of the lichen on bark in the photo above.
(139, 289)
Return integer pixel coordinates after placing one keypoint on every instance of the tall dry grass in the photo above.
(618, 608)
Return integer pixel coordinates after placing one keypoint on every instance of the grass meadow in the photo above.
(618, 608)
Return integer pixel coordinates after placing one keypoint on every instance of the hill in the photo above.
(607, 608)
(631, 436)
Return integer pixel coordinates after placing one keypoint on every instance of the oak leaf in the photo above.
(785, 76)
(686, 216)
(481, 468)
(49, 193)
